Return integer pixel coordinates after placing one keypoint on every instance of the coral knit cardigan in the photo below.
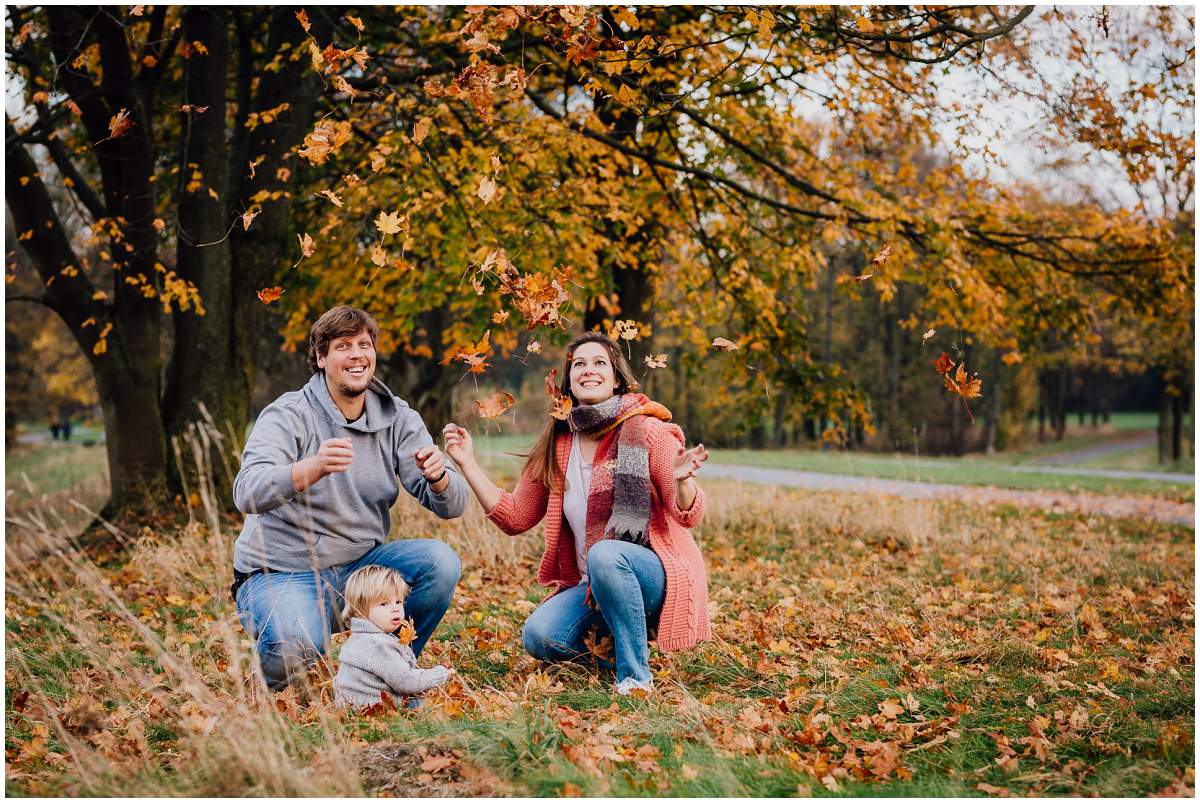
(684, 618)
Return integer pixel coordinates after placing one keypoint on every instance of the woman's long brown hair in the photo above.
(541, 458)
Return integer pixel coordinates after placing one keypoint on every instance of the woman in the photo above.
(618, 489)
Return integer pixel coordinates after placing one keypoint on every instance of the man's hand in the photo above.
(433, 466)
(333, 457)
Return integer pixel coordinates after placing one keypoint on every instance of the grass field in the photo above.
(973, 470)
(905, 648)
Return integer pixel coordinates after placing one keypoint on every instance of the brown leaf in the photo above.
(307, 245)
(248, 218)
(927, 335)
(302, 18)
(882, 256)
(495, 406)
(355, 21)
(332, 196)
(421, 130)
(722, 344)
(656, 361)
(891, 708)
(120, 124)
(863, 277)
(500, 317)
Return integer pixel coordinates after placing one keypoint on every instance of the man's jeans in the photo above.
(292, 614)
(629, 585)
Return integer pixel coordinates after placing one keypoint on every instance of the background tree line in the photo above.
(701, 171)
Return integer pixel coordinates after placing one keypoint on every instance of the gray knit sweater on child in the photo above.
(373, 661)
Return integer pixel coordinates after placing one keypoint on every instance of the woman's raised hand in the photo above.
(458, 443)
(687, 462)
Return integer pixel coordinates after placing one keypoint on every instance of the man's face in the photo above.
(349, 364)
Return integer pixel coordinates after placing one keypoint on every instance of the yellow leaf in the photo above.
(865, 25)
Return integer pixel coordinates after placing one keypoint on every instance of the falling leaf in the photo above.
(487, 189)
(926, 336)
(248, 218)
(723, 344)
(332, 196)
(656, 361)
(500, 317)
(943, 363)
(534, 347)
(136, 11)
(389, 222)
(378, 255)
(495, 406)
(188, 108)
(561, 402)
(882, 256)
(269, 294)
(302, 18)
(325, 139)
(421, 130)
(120, 124)
(863, 277)
(624, 330)
(476, 355)
(159, 224)
(255, 164)
(307, 245)
(355, 21)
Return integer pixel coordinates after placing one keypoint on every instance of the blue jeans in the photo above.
(629, 585)
(292, 614)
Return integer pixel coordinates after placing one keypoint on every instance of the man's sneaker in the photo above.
(631, 685)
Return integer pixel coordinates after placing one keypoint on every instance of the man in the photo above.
(318, 478)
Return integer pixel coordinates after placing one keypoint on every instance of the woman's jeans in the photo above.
(629, 585)
(292, 614)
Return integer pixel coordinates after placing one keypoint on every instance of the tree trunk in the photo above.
(1041, 406)
(202, 370)
(1176, 427)
(993, 419)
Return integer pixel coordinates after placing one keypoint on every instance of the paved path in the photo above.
(1138, 440)
(1111, 473)
(1121, 506)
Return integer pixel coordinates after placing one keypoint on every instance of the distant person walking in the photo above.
(320, 473)
(618, 493)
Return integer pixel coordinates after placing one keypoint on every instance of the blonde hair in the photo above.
(369, 585)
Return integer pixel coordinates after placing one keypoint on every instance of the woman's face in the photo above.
(592, 377)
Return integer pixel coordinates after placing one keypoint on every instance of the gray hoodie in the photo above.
(372, 661)
(341, 517)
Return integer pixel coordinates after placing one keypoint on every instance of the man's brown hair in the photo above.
(341, 321)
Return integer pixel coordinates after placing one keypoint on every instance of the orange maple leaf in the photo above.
(269, 294)
(476, 356)
(407, 633)
(943, 363)
(560, 406)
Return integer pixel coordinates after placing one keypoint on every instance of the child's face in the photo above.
(387, 613)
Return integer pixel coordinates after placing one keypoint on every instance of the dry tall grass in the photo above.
(129, 675)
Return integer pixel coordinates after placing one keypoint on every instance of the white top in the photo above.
(575, 500)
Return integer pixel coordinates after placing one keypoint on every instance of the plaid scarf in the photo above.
(629, 467)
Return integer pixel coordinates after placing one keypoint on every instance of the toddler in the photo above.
(373, 659)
